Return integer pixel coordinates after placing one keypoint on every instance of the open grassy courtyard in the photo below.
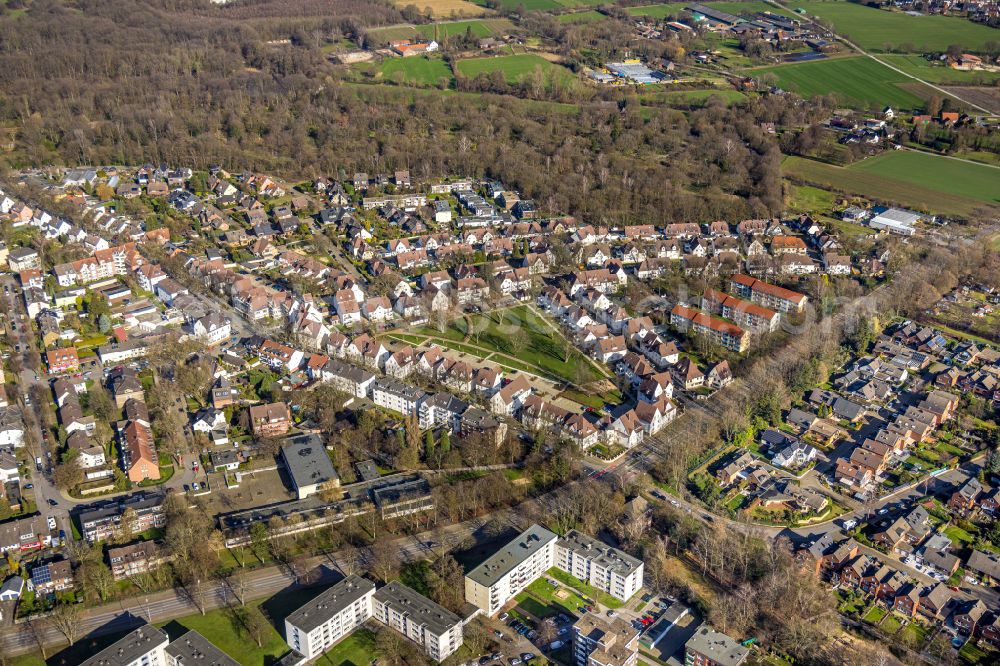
(880, 30)
(858, 81)
(883, 182)
(514, 337)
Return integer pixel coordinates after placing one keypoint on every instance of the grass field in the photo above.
(857, 80)
(882, 182)
(514, 67)
(697, 97)
(877, 29)
(938, 72)
(218, 627)
(947, 175)
(591, 16)
(530, 5)
(581, 3)
(445, 8)
(358, 649)
(541, 353)
(738, 8)
(452, 28)
(808, 199)
(657, 11)
(385, 35)
(419, 70)
(585, 589)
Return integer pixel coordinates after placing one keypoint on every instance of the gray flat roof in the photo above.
(330, 602)
(507, 558)
(597, 551)
(193, 648)
(129, 648)
(718, 647)
(421, 610)
(307, 461)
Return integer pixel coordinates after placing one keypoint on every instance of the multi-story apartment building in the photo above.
(315, 627)
(193, 648)
(103, 520)
(146, 646)
(511, 569)
(768, 295)
(134, 559)
(748, 315)
(436, 629)
(395, 395)
(708, 647)
(727, 335)
(594, 562)
(600, 642)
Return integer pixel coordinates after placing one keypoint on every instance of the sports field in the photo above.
(581, 17)
(876, 29)
(515, 67)
(925, 182)
(859, 80)
(417, 70)
(445, 8)
(938, 72)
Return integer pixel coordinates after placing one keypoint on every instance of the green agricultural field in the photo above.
(937, 72)
(581, 3)
(383, 36)
(858, 80)
(881, 30)
(416, 70)
(743, 8)
(591, 16)
(529, 5)
(515, 67)
(657, 11)
(882, 182)
(693, 97)
(975, 181)
(452, 28)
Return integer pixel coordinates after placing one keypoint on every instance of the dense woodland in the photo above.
(188, 84)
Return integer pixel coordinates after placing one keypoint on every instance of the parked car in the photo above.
(504, 616)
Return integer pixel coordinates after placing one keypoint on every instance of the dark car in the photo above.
(52, 502)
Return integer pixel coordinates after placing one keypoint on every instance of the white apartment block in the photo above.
(594, 562)
(508, 571)
(318, 625)
(143, 647)
(434, 628)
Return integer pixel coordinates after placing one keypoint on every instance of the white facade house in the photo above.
(506, 573)
(594, 562)
(318, 625)
(146, 646)
(431, 626)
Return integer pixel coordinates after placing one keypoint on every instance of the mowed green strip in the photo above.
(859, 80)
(419, 70)
(515, 67)
(581, 3)
(921, 196)
(581, 17)
(875, 29)
(976, 181)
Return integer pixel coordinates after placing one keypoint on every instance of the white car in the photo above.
(52, 523)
